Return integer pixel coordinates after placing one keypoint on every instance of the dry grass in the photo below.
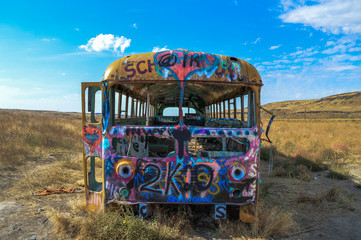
(300, 172)
(302, 147)
(339, 198)
(338, 172)
(346, 105)
(272, 221)
(58, 174)
(169, 224)
(115, 224)
(296, 167)
(32, 135)
(318, 199)
(328, 142)
(61, 172)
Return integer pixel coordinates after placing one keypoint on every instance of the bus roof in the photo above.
(181, 64)
(205, 78)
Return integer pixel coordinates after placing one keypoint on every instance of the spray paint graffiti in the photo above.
(132, 145)
(92, 138)
(181, 177)
(184, 64)
(95, 201)
(178, 175)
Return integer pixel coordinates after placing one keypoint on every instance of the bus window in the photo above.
(94, 173)
(215, 147)
(144, 146)
(246, 111)
(94, 104)
(161, 146)
(174, 111)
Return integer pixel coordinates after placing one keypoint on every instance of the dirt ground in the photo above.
(27, 216)
(340, 219)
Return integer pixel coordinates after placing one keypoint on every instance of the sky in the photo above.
(302, 49)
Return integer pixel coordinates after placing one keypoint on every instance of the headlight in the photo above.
(238, 172)
(125, 169)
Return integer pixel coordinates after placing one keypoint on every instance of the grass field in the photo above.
(48, 145)
(328, 141)
(30, 135)
(341, 106)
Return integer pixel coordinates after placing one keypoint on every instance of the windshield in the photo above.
(174, 111)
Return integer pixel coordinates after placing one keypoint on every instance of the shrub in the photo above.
(271, 221)
(311, 165)
(291, 170)
(330, 195)
(112, 225)
(338, 172)
(266, 151)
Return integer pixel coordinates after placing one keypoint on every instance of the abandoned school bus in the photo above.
(173, 127)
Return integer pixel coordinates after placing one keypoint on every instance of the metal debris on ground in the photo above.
(50, 191)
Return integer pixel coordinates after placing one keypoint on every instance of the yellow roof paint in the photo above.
(179, 65)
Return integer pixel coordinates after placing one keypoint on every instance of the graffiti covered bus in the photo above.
(173, 127)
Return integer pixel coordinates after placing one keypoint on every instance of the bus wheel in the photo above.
(247, 213)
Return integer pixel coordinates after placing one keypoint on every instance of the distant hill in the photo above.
(346, 105)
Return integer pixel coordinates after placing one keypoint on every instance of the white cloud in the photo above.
(257, 40)
(290, 4)
(355, 49)
(48, 39)
(330, 43)
(335, 16)
(274, 47)
(340, 46)
(305, 60)
(254, 42)
(307, 73)
(355, 58)
(158, 49)
(342, 40)
(308, 81)
(304, 53)
(134, 25)
(335, 49)
(76, 29)
(107, 42)
(340, 68)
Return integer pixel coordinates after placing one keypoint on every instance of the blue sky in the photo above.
(302, 49)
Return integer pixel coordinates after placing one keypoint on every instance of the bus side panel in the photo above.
(92, 150)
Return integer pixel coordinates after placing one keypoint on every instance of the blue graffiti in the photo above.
(194, 199)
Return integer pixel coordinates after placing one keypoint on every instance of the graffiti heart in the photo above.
(92, 136)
